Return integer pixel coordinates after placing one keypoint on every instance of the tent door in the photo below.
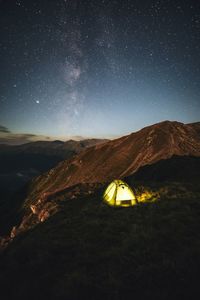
(125, 202)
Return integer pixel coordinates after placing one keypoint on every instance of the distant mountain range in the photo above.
(18, 164)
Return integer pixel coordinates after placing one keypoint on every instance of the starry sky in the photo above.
(98, 68)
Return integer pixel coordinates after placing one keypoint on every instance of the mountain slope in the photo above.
(120, 157)
(21, 163)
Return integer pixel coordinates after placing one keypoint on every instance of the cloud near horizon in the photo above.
(4, 129)
(10, 138)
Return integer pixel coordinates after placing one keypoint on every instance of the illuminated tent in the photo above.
(119, 193)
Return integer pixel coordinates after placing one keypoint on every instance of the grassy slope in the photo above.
(92, 251)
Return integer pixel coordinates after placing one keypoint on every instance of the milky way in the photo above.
(98, 68)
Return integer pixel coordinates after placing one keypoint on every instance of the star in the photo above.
(83, 63)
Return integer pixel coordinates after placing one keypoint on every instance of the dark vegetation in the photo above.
(92, 251)
(176, 168)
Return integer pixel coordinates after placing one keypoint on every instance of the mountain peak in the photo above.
(58, 142)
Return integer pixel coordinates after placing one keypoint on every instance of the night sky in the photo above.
(97, 68)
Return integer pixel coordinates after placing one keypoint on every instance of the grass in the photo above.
(90, 250)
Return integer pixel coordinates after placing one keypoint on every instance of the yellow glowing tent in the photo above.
(119, 193)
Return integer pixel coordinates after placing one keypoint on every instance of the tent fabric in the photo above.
(119, 193)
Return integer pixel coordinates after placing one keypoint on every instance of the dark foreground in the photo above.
(92, 251)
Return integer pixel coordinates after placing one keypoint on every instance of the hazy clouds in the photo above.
(8, 137)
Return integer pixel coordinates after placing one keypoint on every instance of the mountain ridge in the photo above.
(123, 156)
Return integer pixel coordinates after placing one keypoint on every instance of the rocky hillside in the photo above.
(121, 157)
